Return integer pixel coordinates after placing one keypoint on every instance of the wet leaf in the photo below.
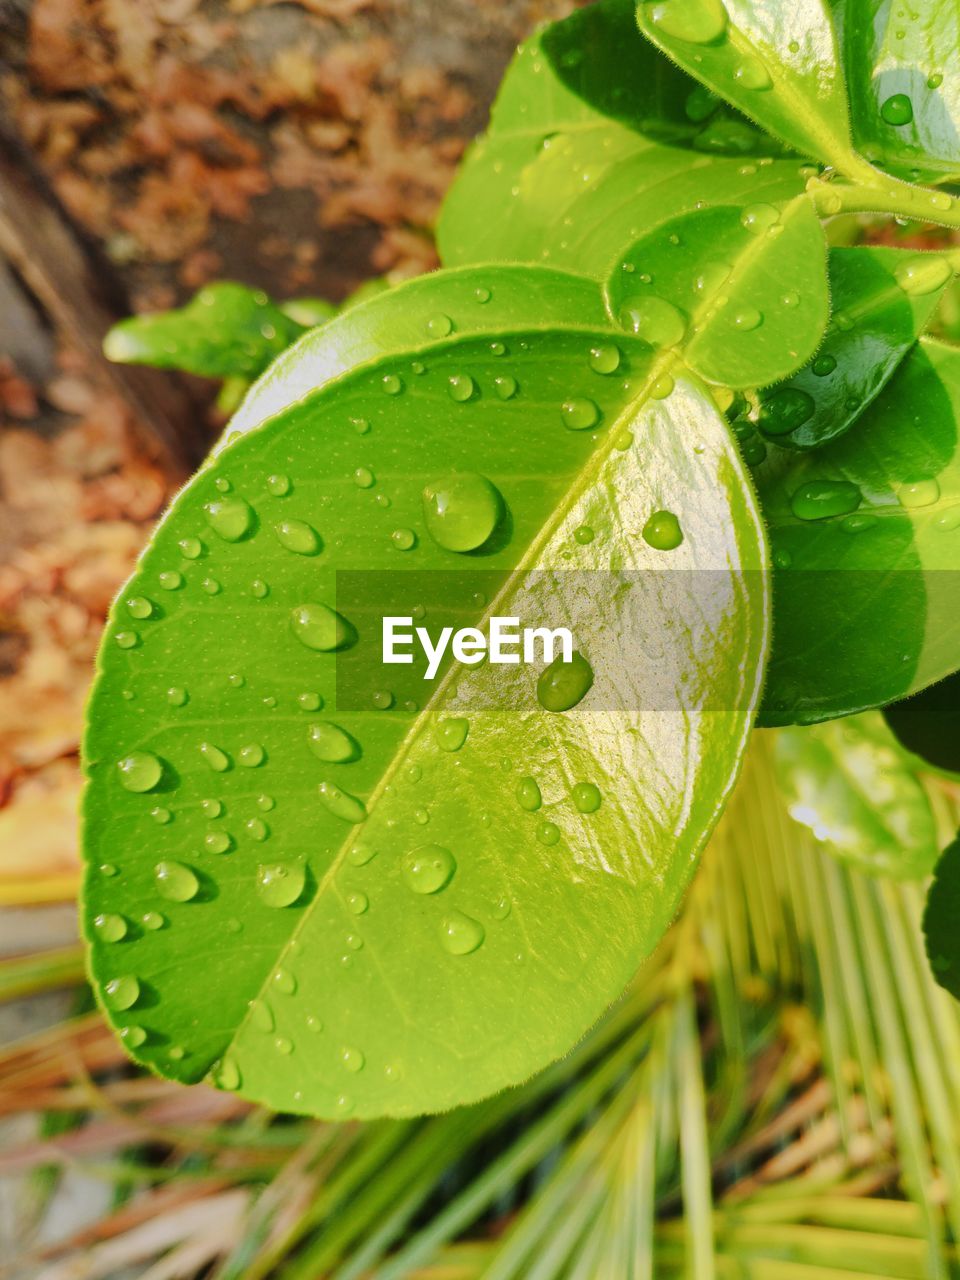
(928, 723)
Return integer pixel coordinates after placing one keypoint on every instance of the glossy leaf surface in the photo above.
(359, 908)
(881, 299)
(778, 63)
(866, 536)
(928, 724)
(225, 331)
(903, 81)
(940, 920)
(851, 785)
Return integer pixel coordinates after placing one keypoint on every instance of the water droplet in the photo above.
(161, 815)
(266, 803)
(319, 627)
(586, 797)
(498, 349)
(363, 478)
(139, 607)
(357, 903)
(330, 743)
(785, 410)
(923, 273)
(583, 534)
(228, 1075)
(505, 387)
(897, 110)
(752, 74)
(280, 884)
(605, 358)
(358, 855)
(298, 536)
(528, 795)
(461, 511)
(261, 1015)
(758, 218)
(824, 364)
(653, 319)
(563, 684)
(341, 803)
(820, 499)
(170, 581)
(428, 868)
(548, 833)
(122, 993)
(230, 518)
(461, 387)
(108, 869)
(133, 1036)
(747, 319)
(217, 842)
(218, 760)
(403, 539)
(256, 829)
(109, 927)
(712, 278)
(452, 734)
(222, 484)
(284, 982)
(314, 1023)
(259, 588)
(934, 81)
(190, 548)
(140, 771)
(152, 920)
(460, 934)
(382, 699)
(352, 1059)
(175, 881)
(921, 493)
(278, 485)
(283, 1045)
(309, 701)
(360, 425)
(579, 414)
(211, 586)
(662, 387)
(391, 384)
(127, 639)
(693, 21)
(662, 531)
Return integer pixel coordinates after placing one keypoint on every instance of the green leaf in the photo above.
(904, 85)
(576, 164)
(777, 63)
(225, 331)
(850, 784)
(882, 300)
(928, 723)
(865, 534)
(363, 996)
(940, 918)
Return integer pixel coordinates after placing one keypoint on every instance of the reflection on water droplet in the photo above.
(528, 795)
(824, 364)
(785, 410)
(439, 326)
(133, 1036)
(218, 760)
(693, 21)
(190, 548)
(139, 607)
(123, 992)
(217, 842)
(403, 539)
(747, 319)
(170, 581)
(583, 534)
(256, 829)
(391, 384)
(309, 701)
(175, 882)
(452, 734)
(280, 884)
(352, 1059)
(752, 74)
(298, 536)
(357, 903)
(897, 110)
(321, 628)
(923, 274)
(140, 771)
(759, 217)
(662, 531)
(284, 982)
(586, 797)
(230, 518)
(653, 319)
(332, 744)
(820, 499)
(228, 1075)
(109, 927)
(548, 833)
(505, 387)
(579, 414)
(278, 485)
(341, 804)
(921, 493)
(283, 1045)
(251, 756)
(461, 511)
(152, 920)
(428, 868)
(460, 934)
(127, 639)
(461, 387)
(563, 684)
(605, 358)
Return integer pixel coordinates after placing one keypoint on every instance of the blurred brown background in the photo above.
(146, 147)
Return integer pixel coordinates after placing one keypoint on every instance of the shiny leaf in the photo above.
(850, 784)
(398, 902)
(866, 538)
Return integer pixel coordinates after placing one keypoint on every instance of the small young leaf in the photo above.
(369, 908)
(865, 534)
(903, 81)
(225, 331)
(940, 918)
(928, 723)
(778, 63)
(882, 300)
(848, 782)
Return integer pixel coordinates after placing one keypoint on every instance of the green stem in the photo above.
(885, 195)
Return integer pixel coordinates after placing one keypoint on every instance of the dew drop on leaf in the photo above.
(357, 903)
(586, 797)
(461, 511)
(439, 326)
(563, 684)
(747, 319)
(921, 493)
(505, 387)
(109, 927)
(923, 274)
(319, 627)
(139, 607)
(177, 696)
(403, 539)
(428, 868)
(228, 1075)
(352, 1059)
(298, 536)
(218, 760)
(256, 829)
(280, 884)
(653, 319)
(230, 518)
(175, 881)
(152, 920)
(217, 842)
(461, 387)
(140, 771)
(283, 1045)
(605, 358)
(284, 982)
(330, 743)
(662, 531)
(127, 639)
(820, 499)
(460, 934)
(759, 217)
(391, 384)
(190, 548)
(824, 364)
(785, 410)
(752, 74)
(528, 795)
(278, 485)
(548, 833)
(123, 992)
(341, 803)
(897, 110)
(133, 1036)
(579, 414)
(694, 21)
(452, 734)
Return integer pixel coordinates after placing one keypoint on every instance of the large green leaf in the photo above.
(928, 724)
(940, 920)
(558, 842)
(882, 300)
(777, 62)
(866, 540)
(850, 784)
(903, 81)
